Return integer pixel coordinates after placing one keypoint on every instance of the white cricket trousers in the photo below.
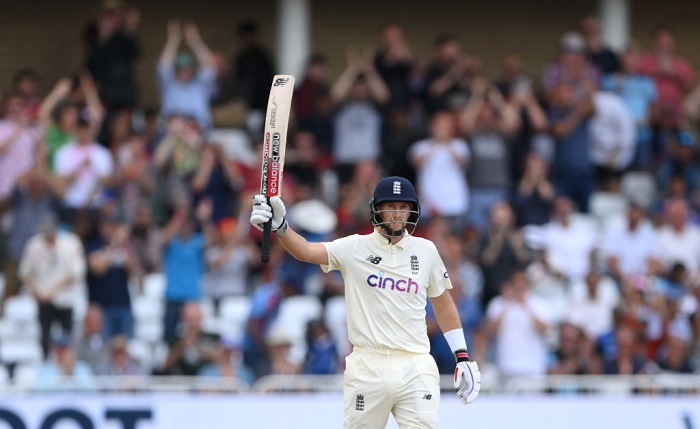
(379, 382)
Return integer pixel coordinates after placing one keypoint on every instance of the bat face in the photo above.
(275, 139)
(274, 144)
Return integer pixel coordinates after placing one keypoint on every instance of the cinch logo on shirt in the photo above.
(401, 285)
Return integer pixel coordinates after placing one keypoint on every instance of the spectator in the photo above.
(521, 93)
(598, 54)
(680, 159)
(25, 83)
(135, 173)
(120, 362)
(186, 90)
(353, 202)
(440, 159)
(112, 50)
(91, 344)
(62, 370)
(673, 74)
(219, 180)
(253, 70)
(638, 92)
(229, 259)
(448, 76)
(228, 364)
(571, 68)
(396, 64)
(279, 344)
(176, 159)
(85, 169)
(568, 245)
(674, 357)
(612, 134)
(534, 196)
(571, 356)
(592, 303)
(145, 239)
(31, 201)
(265, 303)
(52, 269)
(501, 251)
(518, 324)
(360, 95)
(111, 265)
(679, 239)
(312, 86)
(191, 348)
(321, 353)
(489, 123)
(60, 113)
(572, 167)
(630, 247)
(629, 358)
(183, 261)
(20, 144)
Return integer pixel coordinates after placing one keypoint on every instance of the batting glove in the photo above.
(467, 377)
(263, 212)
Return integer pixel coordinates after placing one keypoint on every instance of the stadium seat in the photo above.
(606, 204)
(639, 187)
(22, 307)
(141, 351)
(295, 312)
(11, 329)
(154, 286)
(150, 330)
(4, 376)
(233, 314)
(20, 350)
(334, 317)
(26, 373)
(145, 307)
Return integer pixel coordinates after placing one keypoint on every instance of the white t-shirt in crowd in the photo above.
(442, 181)
(634, 248)
(46, 265)
(520, 348)
(569, 248)
(594, 317)
(386, 289)
(86, 190)
(680, 247)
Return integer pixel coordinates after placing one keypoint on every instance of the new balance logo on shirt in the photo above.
(374, 259)
(427, 396)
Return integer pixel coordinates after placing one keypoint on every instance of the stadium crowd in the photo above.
(564, 203)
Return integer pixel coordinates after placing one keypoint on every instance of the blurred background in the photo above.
(553, 145)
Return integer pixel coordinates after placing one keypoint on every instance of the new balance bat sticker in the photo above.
(274, 144)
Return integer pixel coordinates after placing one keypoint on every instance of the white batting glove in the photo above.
(467, 377)
(263, 212)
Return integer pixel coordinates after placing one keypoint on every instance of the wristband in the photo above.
(455, 339)
(283, 228)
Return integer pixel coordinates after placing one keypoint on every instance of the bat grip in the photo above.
(265, 250)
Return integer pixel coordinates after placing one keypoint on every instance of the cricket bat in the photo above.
(274, 144)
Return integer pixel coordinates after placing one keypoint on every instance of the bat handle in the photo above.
(265, 250)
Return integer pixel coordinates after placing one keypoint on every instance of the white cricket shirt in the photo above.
(386, 288)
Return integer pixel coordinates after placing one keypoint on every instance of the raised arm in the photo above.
(61, 90)
(199, 48)
(341, 87)
(169, 52)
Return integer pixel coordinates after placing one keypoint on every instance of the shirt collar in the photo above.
(381, 240)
